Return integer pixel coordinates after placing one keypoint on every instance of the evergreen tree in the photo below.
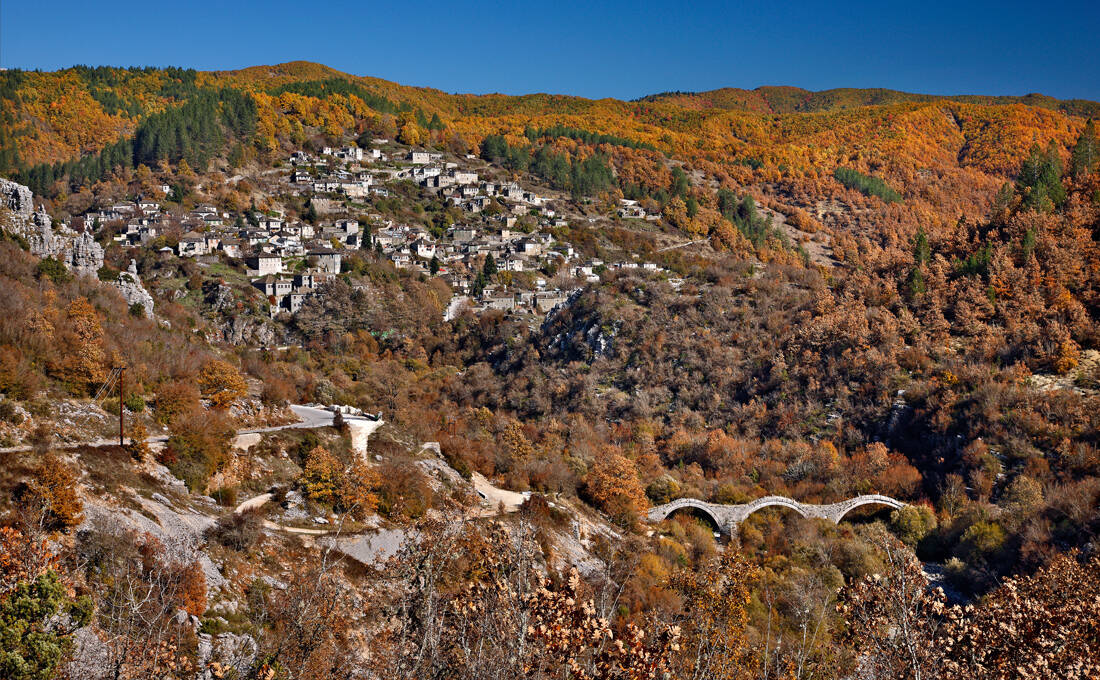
(433, 266)
(1040, 179)
(33, 643)
(489, 269)
(921, 250)
(1003, 200)
(1085, 152)
(680, 183)
(494, 149)
(915, 283)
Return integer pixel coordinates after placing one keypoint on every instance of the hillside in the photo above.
(553, 317)
(773, 99)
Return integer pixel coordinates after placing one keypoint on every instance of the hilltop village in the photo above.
(505, 228)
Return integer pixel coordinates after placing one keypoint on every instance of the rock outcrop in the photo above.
(132, 291)
(83, 254)
(19, 200)
(79, 252)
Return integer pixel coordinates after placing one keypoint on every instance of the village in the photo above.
(507, 230)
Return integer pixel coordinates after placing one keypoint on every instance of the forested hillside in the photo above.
(817, 295)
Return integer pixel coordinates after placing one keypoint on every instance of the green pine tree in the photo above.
(1085, 152)
(921, 250)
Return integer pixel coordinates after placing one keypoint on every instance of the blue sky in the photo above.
(612, 48)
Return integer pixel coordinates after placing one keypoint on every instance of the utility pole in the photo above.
(121, 407)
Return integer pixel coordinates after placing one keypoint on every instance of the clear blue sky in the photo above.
(600, 48)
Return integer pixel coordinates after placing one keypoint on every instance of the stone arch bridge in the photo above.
(728, 517)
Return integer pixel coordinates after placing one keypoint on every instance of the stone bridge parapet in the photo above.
(728, 517)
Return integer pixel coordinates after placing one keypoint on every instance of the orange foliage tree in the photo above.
(613, 486)
(81, 359)
(221, 383)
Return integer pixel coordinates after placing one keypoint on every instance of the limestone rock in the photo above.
(19, 200)
(84, 255)
(133, 291)
(220, 297)
(242, 329)
(79, 252)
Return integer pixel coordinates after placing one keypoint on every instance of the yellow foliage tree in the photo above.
(714, 603)
(51, 494)
(410, 134)
(322, 477)
(676, 213)
(221, 383)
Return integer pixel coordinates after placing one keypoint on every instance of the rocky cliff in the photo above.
(79, 252)
(18, 199)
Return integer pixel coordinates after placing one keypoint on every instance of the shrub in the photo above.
(980, 540)
(240, 531)
(135, 402)
(227, 496)
(403, 491)
(912, 523)
(198, 447)
(662, 490)
(54, 270)
(110, 405)
(175, 399)
(8, 414)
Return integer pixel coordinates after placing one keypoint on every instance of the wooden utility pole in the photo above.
(121, 407)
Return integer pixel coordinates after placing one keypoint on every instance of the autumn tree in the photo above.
(175, 399)
(198, 446)
(139, 441)
(322, 475)
(1045, 625)
(715, 618)
(221, 383)
(310, 636)
(894, 620)
(613, 486)
(142, 584)
(50, 495)
(81, 358)
(472, 603)
(358, 490)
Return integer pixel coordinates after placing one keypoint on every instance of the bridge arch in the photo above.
(665, 511)
(770, 502)
(844, 508)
